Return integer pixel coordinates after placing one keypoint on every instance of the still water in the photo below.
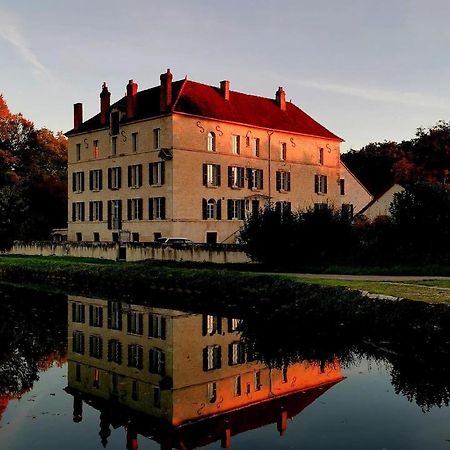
(79, 372)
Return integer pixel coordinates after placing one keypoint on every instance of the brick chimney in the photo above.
(132, 88)
(280, 98)
(77, 115)
(165, 96)
(225, 89)
(105, 99)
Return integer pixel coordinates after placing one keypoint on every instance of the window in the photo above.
(342, 186)
(283, 208)
(114, 214)
(135, 356)
(211, 209)
(135, 176)
(78, 313)
(134, 207)
(95, 180)
(211, 175)
(236, 209)
(235, 177)
(114, 178)
(78, 182)
(95, 347)
(283, 181)
(115, 122)
(78, 152)
(237, 386)
(283, 151)
(320, 184)
(284, 374)
(211, 325)
(255, 207)
(212, 357)
(211, 142)
(212, 392)
(95, 149)
(321, 156)
(255, 147)
(157, 138)
(157, 326)
(157, 208)
(255, 179)
(135, 390)
(78, 373)
(79, 236)
(236, 353)
(320, 206)
(211, 237)
(78, 212)
(134, 142)
(114, 315)
(233, 324)
(157, 173)
(134, 237)
(258, 381)
(115, 237)
(95, 316)
(115, 351)
(96, 236)
(78, 342)
(157, 397)
(236, 144)
(95, 211)
(157, 361)
(347, 211)
(114, 146)
(135, 323)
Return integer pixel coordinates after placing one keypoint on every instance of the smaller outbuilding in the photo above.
(380, 205)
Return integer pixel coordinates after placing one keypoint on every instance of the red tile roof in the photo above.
(207, 101)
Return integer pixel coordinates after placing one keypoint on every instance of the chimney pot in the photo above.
(77, 115)
(165, 96)
(225, 89)
(132, 88)
(105, 99)
(280, 98)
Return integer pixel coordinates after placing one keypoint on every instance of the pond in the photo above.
(86, 372)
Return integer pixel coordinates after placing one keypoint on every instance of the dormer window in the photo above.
(115, 117)
(211, 142)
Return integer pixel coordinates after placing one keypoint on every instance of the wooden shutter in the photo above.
(129, 322)
(205, 359)
(204, 209)
(120, 215)
(109, 322)
(261, 185)
(229, 209)
(288, 176)
(150, 174)
(119, 177)
(150, 208)
(163, 172)
(241, 176)
(91, 180)
(109, 178)
(74, 212)
(91, 211)
(163, 208)
(316, 183)
(140, 175)
(249, 178)
(325, 184)
(129, 175)
(151, 332)
(73, 312)
(74, 181)
(129, 209)
(218, 355)
(230, 176)
(109, 206)
(130, 362)
(219, 210)
(100, 179)
(219, 324)
(163, 328)
(100, 212)
(82, 182)
(91, 315)
(230, 354)
(278, 181)
(218, 174)
(140, 209)
(205, 174)
(204, 324)
(141, 323)
(100, 315)
(82, 211)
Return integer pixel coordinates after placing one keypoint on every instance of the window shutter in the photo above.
(82, 212)
(204, 209)
(110, 342)
(100, 347)
(230, 354)
(163, 363)
(109, 206)
(129, 209)
(140, 175)
(91, 180)
(129, 175)
(325, 184)
(73, 312)
(130, 362)
(120, 215)
(100, 315)
(91, 315)
(219, 210)
(241, 177)
(141, 323)
(74, 178)
(249, 178)
(218, 364)
(163, 208)
(129, 322)
(316, 183)
(204, 324)
(82, 181)
(205, 174)
(150, 208)
(150, 174)
(230, 176)
(140, 209)
(150, 325)
(278, 181)
(163, 172)
(218, 174)
(119, 177)
(109, 178)
(288, 176)
(91, 210)
(229, 209)
(205, 359)
(261, 186)
(109, 324)
(100, 179)
(219, 324)
(100, 211)
(74, 213)
(91, 345)
(82, 314)
(163, 327)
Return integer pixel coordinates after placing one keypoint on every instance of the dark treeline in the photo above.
(426, 157)
(416, 232)
(33, 173)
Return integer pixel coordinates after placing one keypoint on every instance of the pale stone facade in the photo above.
(194, 198)
(380, 206)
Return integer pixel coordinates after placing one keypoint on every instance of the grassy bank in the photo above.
(135, 278)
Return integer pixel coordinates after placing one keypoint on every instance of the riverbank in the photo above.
(134, 278)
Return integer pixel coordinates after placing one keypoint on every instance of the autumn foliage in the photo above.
(33, 174)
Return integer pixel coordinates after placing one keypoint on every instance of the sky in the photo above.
(368, 70)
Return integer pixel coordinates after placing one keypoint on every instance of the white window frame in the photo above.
(212, 175)
(157, 138)
(96, 206)
(157, 208)
(212, 357)
(135, 141)
(135, 181)
(78, 187)
(283, 151)
(135, 205)
(256, 147)
(156, 174)
(212, 142)
(321, 183)
(236, 144)
(236, 177)
(211, 206)
(79, 209)
(284, 181)
(256, 179)
(96, 174)
(237, 209)
(115, 177)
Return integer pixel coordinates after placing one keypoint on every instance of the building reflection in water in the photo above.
(183, 380)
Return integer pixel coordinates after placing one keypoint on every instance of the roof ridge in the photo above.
(183, 83)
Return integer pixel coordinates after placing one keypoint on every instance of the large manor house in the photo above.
(191, 160)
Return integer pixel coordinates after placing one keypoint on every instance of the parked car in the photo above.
(173, 241)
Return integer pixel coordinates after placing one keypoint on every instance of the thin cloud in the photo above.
(379, 95)
(11, 33)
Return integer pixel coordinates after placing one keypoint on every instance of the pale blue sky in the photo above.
(367, 70)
